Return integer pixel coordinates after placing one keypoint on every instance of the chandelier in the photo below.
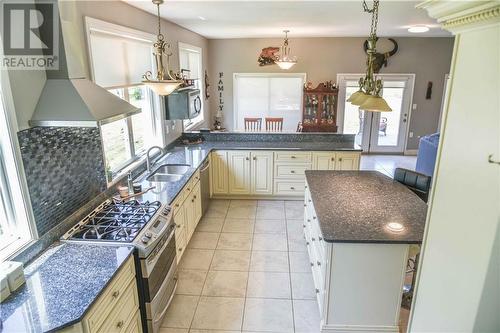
(368, 97)
(164, 84)
(285, 61)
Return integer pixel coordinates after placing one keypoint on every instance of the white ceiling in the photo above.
(253, 19)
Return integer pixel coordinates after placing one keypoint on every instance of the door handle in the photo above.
(492, 161)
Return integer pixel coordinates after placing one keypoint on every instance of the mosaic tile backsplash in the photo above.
(64, 168)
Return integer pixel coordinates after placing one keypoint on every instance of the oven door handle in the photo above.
(152, 262)
(162, 314)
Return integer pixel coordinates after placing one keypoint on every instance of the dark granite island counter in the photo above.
(362, 206)
(359, 226)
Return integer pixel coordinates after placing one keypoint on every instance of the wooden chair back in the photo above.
(253, 124)
(274, 124)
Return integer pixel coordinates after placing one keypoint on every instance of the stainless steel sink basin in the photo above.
(161, 177)
(173, 169)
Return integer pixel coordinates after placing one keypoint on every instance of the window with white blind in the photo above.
(190, 59)
(15, 228)
(274, 95)
(124, 140)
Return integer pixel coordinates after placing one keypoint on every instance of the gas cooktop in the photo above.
(117, 221)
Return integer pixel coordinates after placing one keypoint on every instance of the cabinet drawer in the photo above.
(177, 203)
(295, 170)
(188, 188)
(135, 326)
(289, 187)
(293, 156)
(114, 294)
(196, 177)
(121, 315)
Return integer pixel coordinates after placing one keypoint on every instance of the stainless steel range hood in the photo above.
(68, 97)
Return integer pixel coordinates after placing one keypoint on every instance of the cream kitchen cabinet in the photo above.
(261, 180)
(347, 161)
(335, 161)
(239, 172)
(117, 309)
(219, 173)
(187, 213)
(324, 161)
(266, 173)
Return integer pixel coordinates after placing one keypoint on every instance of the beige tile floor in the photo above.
(245, 270)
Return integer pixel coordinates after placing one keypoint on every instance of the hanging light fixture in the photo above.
(164, 84)
(368, 97)
(285, 61)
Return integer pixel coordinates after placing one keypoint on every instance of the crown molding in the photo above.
(460, 16)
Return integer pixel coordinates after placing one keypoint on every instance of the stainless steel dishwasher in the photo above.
(205, 186)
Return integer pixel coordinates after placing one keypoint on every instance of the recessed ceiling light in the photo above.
(202, 18)
(395, 227)
(418, 29)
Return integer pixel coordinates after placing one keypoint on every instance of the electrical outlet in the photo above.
(414, 106)
(411, 134)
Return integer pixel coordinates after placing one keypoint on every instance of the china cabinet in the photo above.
(319, 112)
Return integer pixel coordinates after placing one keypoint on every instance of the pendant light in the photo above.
(164, 84)
(285, 61)
(368, 97)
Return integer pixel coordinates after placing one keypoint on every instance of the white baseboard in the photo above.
(411, 152)
(358, 329)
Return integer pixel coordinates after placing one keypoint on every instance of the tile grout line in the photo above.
(248, 272)
(206, 276)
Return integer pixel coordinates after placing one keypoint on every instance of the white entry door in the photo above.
(378, 131)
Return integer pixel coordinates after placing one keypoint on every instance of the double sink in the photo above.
(168, 173)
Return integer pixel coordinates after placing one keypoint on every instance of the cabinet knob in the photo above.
(303, 226)
(292, 156)
(317, 291)
(119, 324)
(247, 158)
(255, 158)
(312, 264)
(305, 205)
(307, 243)
(333, 159)
(308, 220)
(313, 239)
(292, 171)
(292, 188)
(340, 159)
(177, 225)
(318, 263)
(115, 294)
(314, 217)
(180, 249)
(188, 189)
(320, 238)
(309, 200)
(176, 205)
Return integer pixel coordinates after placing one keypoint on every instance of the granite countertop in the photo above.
(195, 155)
(356, 206)
(61, 285)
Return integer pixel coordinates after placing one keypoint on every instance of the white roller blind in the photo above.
(263, 96)
(119, 60)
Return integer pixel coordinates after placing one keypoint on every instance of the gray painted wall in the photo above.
(323, 58)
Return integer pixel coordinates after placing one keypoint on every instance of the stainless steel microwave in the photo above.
(183, 104)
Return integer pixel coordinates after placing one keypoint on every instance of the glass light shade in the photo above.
(360, 99)
(355, 95)
(285, 64)
(163, 88)
(375, 104)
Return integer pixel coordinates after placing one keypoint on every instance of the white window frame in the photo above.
(96, 25)
(188, 124)
(18, 198)
(408, 99)
(302, 76)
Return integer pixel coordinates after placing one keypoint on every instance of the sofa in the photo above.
(427, 151)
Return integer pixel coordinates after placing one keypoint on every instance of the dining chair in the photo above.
(253, 124)
(274, 124)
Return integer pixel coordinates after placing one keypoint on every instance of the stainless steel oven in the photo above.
(159, 279)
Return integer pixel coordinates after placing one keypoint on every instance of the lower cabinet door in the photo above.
(219, 173)
(347, 161)
(197, 204)
(323, 161)
(262, 173)
(239, 172)
(189, 209)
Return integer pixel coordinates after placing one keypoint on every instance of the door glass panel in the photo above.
(389, 122)
(353, 118)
